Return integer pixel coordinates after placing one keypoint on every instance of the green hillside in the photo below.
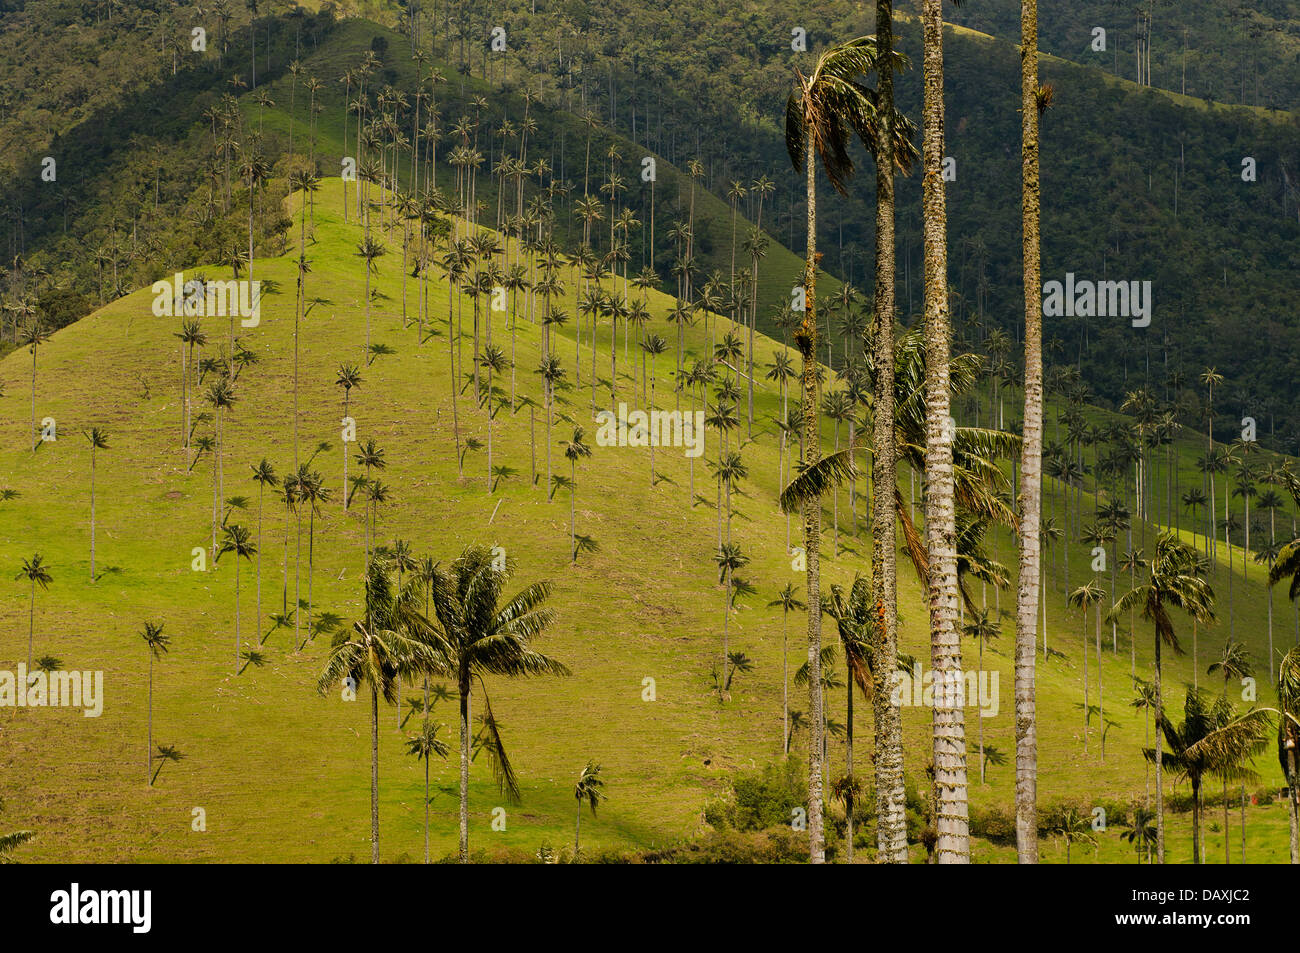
(281, 772)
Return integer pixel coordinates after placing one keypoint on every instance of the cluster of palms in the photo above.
(832, 105)
(453, 622)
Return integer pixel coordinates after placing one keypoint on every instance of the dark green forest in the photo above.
(1221, 253)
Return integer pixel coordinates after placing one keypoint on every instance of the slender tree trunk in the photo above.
(374, 776)
(1028, 592)
(148, 752)
(1293, 798)
(1160, 787)
(810, 513)
(464, 770)
(891, 824)
(785, 684)
(953, 845)
(1196, 821)
(92, 514)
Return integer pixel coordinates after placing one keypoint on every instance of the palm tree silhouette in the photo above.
(588, 789)
(236, 539)
(574, 450)
(478, 634)
(35, 572)
(348, 377)
(157, 644)
(425, 746)
(98, 441)
(264, 476)
(788, 601)
(376, 652)
(1173, 582)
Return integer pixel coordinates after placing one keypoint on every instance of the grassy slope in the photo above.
(281, 772)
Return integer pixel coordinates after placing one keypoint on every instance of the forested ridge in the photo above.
(1174, 209)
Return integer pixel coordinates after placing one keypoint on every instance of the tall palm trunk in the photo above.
(464, 769)
(891, 823)
(92, 514)
(953, 845)
(148, 752)
(785, 684)
(261, 489)
(31, 624)
(374, 775)
(1160, 745)
(810, 513)
(1028, 591)
(1293, 798)
(1196, 820)
(236, 613)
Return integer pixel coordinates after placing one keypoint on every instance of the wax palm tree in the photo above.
(254, 170)
(376, 652)
(236, 539)
(1074, 828)
(312, 491)
(729, 558)
(493, 360)
(1029, 589)
(1141, 832)
(221, 395)
(263, 476)
(479, 634)
(1189, 758)
(98, 441)
(828, 106)
(852, 613)
(191, 336)
(1211, 378)
(1173, 582)
(1083, 598)
(370, 249)
(34, 335)
(157, 644)
(982, 627)
(348, 377)
(574, 450)
(1233, 664)
(1145, 699)
(426, 745)
(36, 573)
(1130, 562)
(788, 600)
(551, 373)
(953, 845)
(1243, 733)
(652, 345)
(589, 790)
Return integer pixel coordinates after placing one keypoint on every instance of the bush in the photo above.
(774, 846)
(993, 824)
(761, 799)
